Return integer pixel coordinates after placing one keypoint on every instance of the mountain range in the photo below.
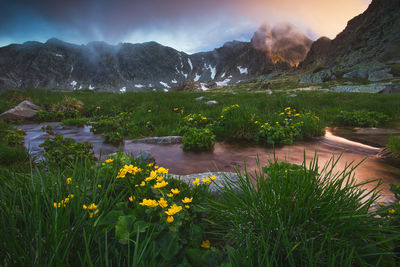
(369, 44)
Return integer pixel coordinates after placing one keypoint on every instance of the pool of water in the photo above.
(228, 157)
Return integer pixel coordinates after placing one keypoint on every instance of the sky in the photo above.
(186, 25)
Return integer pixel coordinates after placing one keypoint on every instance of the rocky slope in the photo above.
(368, 48)
(147, 66)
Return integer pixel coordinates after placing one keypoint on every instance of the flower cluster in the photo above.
(63, 203)
(128, 169)
(196, 120)
(92, 209)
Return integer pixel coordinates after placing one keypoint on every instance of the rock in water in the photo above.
(24, 110)
(211, 103)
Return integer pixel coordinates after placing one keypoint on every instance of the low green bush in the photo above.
(79, 122)
(196, 139)
(393, 146)
(60, 151)
(113, 137)
(361, 118)
(46, 116)
(11, 155)
(196, 121)
(234, 123)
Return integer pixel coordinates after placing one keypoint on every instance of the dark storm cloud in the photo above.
(175, 22)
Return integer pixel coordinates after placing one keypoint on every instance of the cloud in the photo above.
(190, 25)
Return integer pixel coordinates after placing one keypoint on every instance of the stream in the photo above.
(227, 157)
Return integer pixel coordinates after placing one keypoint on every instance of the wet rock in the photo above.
(211, 103)
(145, 157)
(201, 98)
(159, 140)
(379, 75)
(319, 77)
(221, 179)
(24, 110)
(292, 95)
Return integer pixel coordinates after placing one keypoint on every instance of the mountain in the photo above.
(368, 48)
(148, 66)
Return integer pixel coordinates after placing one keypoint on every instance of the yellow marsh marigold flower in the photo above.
(170, 219)
(206, 180)
(391, 211)
(297, 114)
(162, 203)
(131, 198)
(84, 207)
(71, 196)
(222, 116)
(196, 182)
(149, 110)
(142, 184)
(170, 195)
(187, 200)
(98, 107)
(162, 170)
(152, 176)
(190, 119)
(187, 206)
(205, 244)
(99, 185)
(176, 109)
(149, 203)
(381, 204)
(160, 178)
(175, 191)
(160, 184)
(103, 164)
(174, 209)
(203, 118)
(69, 180)
(109, 160)
(212, 177)
(92, 206)
(150, 165)
(55, 204)
(182, 111)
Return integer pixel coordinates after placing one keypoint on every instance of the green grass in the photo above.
(290, 215)
(393, 147)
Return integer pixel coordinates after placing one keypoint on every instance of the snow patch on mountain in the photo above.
(139, 85)
(197, 77)
(123, 90)
(73, 84)
(242, 70)
(165, 84)
(224, 82)
(174, 81)
(190, 64)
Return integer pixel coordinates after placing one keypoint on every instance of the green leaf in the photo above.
(123, 228)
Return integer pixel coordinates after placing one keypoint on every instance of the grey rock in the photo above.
(159, 140)
(24, 110)
(211, 103)
(379, 75)
(267, 77)
(356, 74)
(201, 98)
(348, 83)
(367, 88)
(319, 77)
(221, 179)
(292, 95)
(145, 157)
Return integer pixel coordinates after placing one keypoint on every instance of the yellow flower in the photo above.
(176, 109)
(98, 107)
(170, 195)
(103, 164)
(149, 203)
(190, 119)
(149, 110)
(182, 111)
(174, 209)
(162, 170)
(297, 114)
(381, 204)
(282, 113)
(160, 178)
(99, 185)
(392, 211)
(222, 116)
(150, 165)
(84, 207)
(187, 200)
(170, 219)
(55, 204)
(196, 182)
(72, 196)
(92, 206)
(187, 206)
(206, 180)
(66, 200)
(212, 177)
(152, 176)
(160, 184)
(266, 123)
(142, 184)
(131, 198)
(205, 244)
(109, 160)
(203, 118)
(175, 191)
(163, 203)
(69, 180)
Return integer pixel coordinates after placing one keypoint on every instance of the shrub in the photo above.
(198, 139)
(361, 118)
(60, 151)
(113, 137)
(196, 121)
(13, 138)
(79, 122)
(10, 155)
(235, 123)
(291, 215)
(43, 115)
(68, 104)
(393, 146)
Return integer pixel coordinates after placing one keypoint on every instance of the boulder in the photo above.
(379, 75)
(145, 157)
(24, 110)
(211, 103)
(319, 77)
(201, 98)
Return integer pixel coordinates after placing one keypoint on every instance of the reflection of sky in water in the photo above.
(225, 157)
